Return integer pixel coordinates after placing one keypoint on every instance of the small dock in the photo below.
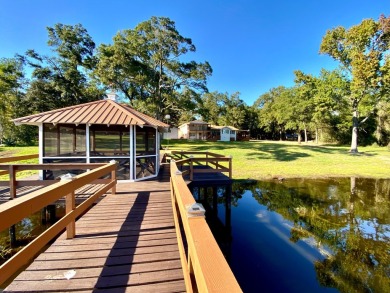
(145, 236)
(126, 243)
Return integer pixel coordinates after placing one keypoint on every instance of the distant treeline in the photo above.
(145, 67)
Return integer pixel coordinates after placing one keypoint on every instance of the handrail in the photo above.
(14, 159)
(18, 158)
(13, 183)
(15, 210)
(182, 153)
(214, 160)
(204, 267)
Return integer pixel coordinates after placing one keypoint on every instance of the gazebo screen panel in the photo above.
(123, 169)
(145, 167)
(64, 140)
(109, 141)
(145, 141)
(56, 174)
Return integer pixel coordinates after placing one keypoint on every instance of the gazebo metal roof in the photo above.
(98, 112)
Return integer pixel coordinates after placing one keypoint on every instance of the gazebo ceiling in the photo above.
(98, 112)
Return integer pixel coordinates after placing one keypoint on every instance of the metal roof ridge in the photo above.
(127, 112)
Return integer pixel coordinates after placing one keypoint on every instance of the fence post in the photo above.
(230, 166)
(12, 181)
(70, 206)
(113, 177)
(191, 168)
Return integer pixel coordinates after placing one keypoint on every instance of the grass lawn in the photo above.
(19, 151)
(272, 159)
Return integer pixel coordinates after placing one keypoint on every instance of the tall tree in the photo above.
(272, 108)
(234, 111)
(304, 100)
(363, 51)
(212, 107)
(329, 99)
(11, 89)
(146, 63)
(62, 79)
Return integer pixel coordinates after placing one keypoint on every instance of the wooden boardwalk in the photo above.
(126, 243)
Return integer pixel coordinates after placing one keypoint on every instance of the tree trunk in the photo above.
(316, 135)
(299, 137)
(355, 125)
(305, 130)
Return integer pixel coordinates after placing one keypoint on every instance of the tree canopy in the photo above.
(363, 52)
(146, 64)
(150, 66)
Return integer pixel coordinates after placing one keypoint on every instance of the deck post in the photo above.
(113, 177)
(230, 166)
(191, 168)
(70, 206)
(12, 181)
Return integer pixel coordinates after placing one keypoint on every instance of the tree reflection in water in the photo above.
(346, 219)
(27, 230)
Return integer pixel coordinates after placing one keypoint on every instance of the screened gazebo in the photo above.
(98, 132)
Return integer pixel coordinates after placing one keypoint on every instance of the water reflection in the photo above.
(26, 230)
(311, 235)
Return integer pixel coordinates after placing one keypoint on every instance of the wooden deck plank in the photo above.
(126, 243)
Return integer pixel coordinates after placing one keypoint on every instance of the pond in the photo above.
(28, 229)
(301, 235)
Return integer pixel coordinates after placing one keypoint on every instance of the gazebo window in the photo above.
(146, 141)
(109, 141)
(64, 140)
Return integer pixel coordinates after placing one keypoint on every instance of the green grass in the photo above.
(271, 159)
(20, 151)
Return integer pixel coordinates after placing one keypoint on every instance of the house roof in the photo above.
(220, 127)
(97, 112)
(198, 122)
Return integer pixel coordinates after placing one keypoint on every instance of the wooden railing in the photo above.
(17, 209)
(204, 266)
(14, 183)
(14, 159)
(213, 160)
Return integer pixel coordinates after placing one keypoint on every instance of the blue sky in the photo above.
(252, 45)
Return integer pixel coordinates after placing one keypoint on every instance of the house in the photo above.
(194, 130)
(171, 133)
(98, 132)
(223, 133)
(204, 131)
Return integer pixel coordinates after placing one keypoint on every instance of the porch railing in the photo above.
(204, 266)
(17, 209)
(14, 183)
(217, 162)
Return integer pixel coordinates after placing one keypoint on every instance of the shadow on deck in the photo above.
(127, 242)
